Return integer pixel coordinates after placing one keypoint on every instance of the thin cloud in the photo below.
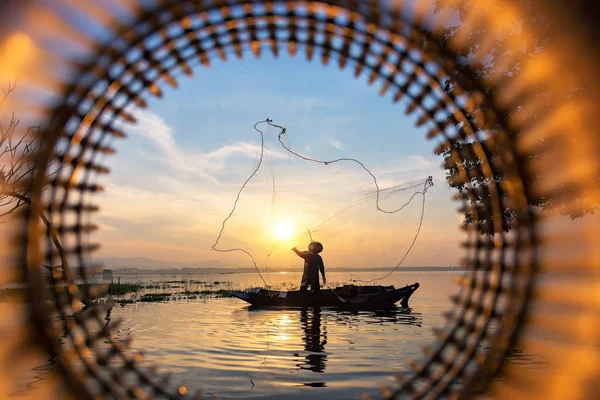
(336, 143)
(243, 149)
(203, 164)
(407, 164)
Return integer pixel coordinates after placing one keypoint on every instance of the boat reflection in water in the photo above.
(315, 331)
(404, 315)
(314, 340)
(265, 353)
(347, 331)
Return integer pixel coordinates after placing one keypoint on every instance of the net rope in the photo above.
(239, 193)
(379, 194)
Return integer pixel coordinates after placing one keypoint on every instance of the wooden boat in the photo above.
(347, 296)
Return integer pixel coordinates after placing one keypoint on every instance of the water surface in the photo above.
(230, 350)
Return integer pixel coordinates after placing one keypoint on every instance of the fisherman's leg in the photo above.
(316, 288)
(304, 282)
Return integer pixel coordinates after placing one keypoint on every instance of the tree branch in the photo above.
(53, 234)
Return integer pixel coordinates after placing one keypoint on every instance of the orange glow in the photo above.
(283, 229)
(16, 52)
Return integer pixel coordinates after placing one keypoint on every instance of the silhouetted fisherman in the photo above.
(313, 263)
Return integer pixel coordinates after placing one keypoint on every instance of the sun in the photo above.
(283, 229)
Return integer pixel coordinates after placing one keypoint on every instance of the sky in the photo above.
(176, 176)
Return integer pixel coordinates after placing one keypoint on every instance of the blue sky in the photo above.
(176, 176)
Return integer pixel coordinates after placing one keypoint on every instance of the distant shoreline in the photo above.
(229, 271)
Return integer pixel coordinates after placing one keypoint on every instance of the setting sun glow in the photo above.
(283, 230)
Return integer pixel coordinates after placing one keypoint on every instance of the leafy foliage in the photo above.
(501, 59)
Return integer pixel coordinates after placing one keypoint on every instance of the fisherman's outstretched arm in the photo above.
(301, 254)
(322, 268)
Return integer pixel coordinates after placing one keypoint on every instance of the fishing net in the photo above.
(264, 169)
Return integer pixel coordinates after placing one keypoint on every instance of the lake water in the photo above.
(231, 351)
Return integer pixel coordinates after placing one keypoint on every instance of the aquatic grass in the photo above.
(116, 289)
(210, 293)
(187, 295)
(120, 289)
(222, 293)
(147, 292)
(122, 302)
(155, 297)
(155, 286)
